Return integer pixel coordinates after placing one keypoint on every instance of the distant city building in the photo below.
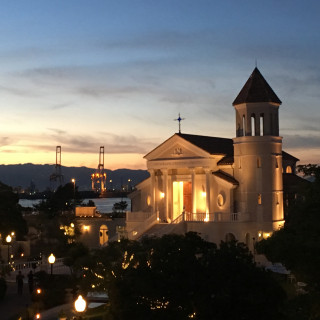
(221, 188)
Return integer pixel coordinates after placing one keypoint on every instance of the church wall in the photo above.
(141, 199)
(243, 232)
(258, 169)
(221, 200)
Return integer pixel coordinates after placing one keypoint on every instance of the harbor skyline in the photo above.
(116, 74)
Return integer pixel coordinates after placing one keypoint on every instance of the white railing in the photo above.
(137, 216)
(134, 230)
(38, 265)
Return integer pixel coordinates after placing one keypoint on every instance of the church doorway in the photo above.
(182, 198)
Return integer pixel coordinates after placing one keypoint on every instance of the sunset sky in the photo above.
(85, 74)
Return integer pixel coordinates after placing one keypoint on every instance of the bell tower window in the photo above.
(253, 125)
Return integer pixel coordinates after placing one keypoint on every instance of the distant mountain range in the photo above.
(37, 177)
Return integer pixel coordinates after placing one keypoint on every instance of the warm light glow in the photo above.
(134, 233)
(80, 304)
(73, 181)
(12, 234)
(86, 228)
(161, 195)
(38, 316)
(177, 199)
(8, 239)
(267, 235)
(38, 291)
(72, 225)
(203, 194)
(52, 258)
(259, 234)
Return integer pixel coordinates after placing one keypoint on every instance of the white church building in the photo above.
(221, 188)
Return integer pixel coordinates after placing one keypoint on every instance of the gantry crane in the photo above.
(57, 176)
(98, 179)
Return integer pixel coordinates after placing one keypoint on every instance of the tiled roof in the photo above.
(222, 175)
(226, 160)
(256, 89)
(287, 156)
(212, 145)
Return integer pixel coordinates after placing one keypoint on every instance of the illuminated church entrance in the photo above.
(182, 199)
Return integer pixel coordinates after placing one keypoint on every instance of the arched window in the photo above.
(103, 235)
(261, 124)
(230, 237)
(258, 162)
(243, 125)
(253, 125)
(248, 240)
(259, 198)
(288, 169)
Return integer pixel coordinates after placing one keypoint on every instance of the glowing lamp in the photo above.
(80, 304)
(161, 195)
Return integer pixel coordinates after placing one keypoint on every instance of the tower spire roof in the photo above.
(256, 89)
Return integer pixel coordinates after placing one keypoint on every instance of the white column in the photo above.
(207, 171)
(194, 194)
(152, 191)
(166, 191)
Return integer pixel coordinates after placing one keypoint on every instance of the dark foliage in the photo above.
(10, 213)
(181, 277)
(297, 246)
(3, 288)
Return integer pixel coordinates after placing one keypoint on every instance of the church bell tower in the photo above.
(258, 155)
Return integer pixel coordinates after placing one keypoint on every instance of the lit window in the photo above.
(259, 198)
(288, 169)
(220, 200)
(258, 162)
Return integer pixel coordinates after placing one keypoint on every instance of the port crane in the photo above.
(57, 176)
(98, 179)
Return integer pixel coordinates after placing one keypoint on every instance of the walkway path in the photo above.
(15, 305)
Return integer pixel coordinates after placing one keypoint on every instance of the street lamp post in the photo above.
(8, 240)
(80, 305)
(74, 195)
(51, 260)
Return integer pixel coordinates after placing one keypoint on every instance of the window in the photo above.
(288, 169)
(220, 200)
(258, 162)
(244, 125)
(259, 198)
(253, 125)
(261, 124)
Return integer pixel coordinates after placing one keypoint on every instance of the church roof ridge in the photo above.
(212, 145)
(256, 89)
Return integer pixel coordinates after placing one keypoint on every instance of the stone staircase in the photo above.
(161, 229)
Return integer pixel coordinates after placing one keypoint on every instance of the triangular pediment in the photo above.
(176, 148)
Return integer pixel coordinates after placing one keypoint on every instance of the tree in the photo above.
(10, 213)
(55, 218)
(60, 202)
(181, 277)
(119, 208)
(297, 245)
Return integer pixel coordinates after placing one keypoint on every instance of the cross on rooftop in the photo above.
(179, 119)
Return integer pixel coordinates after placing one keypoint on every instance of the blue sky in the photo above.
(82, 74)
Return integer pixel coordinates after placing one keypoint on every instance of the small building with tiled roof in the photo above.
(221, 188)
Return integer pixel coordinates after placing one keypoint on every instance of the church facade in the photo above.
(221, 188)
